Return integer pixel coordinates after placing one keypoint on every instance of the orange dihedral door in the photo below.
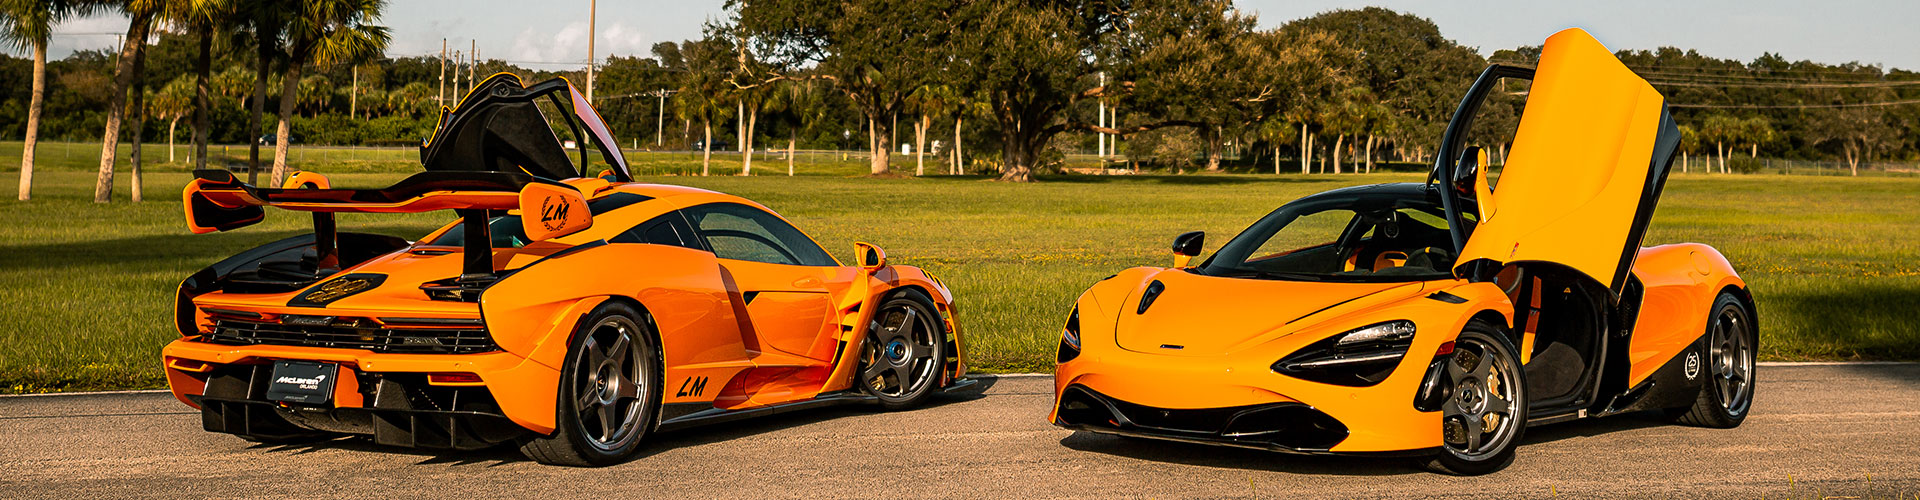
(783, 309)
(1586, 165)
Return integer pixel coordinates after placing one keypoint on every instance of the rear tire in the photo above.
(1485, 413)
(1727, 396)
(904, 353)
(609, 393)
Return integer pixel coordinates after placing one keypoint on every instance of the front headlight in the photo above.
(1358, 358)
(1070, 338)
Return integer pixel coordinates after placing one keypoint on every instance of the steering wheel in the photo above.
(791, 259)
(1432, 255)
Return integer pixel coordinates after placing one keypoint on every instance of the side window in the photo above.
(666, 229)
(740, 232)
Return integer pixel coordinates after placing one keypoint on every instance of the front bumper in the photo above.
(1285, 426)
(381, 394)
(1220, 392)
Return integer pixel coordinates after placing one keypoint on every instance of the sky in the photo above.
(552, 34)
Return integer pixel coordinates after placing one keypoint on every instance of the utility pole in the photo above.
(441, 95)
(660, 115)
(457, 94)
(1102, 120)
(593, 10)
(473, 51)
(353, 96)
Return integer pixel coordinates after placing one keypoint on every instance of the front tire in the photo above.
(904, 353)
(1727, 395)
(1485, 412)
(609, 391)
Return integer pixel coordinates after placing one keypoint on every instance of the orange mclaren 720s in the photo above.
(569, 315)
(1440, 319)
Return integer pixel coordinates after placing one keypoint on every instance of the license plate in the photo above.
(302, 382)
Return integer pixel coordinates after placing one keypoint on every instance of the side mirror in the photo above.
(869, 257)
(1187, 246)
(1468, 169)
(1471, 180)
(549, 211)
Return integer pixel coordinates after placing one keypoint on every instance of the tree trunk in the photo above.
(1211, 135)
(1755, 152)
(202, 100)
(792, 137)
(1369, 153)
(138, 102)
(259, 113)
(1683, 162)
(1853, 162)
(170, 125)
(1338, 140)
(746, 142)
(1303, 149)
(1723, 154)
(117, 104)
(706, 148)
(959, 162)
(283, 135)
(353, 95)
(920, 145)
(882, 146)
(740, 137)
(34, 106)
(1276, 158)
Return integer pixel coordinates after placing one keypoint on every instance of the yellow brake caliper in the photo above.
(1491, 419)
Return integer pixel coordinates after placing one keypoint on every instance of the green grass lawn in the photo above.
(1834, 262)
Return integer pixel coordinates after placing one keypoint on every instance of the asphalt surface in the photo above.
(1816, 431)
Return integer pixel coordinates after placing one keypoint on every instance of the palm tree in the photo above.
(201, 18)
(140, 14)
(172, 103)
(267, 20)
(323, 32)
(26, 25)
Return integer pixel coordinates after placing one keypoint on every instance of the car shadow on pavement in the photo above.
(507, 453)
(1236, 458)
(1593, 427)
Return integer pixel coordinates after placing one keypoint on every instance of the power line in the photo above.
(1773, 85)
(1798, 106)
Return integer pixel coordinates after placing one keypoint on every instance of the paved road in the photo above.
(1817, 431)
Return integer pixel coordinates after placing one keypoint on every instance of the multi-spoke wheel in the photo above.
(1486, 408)
(609, 391)
(1728, 392)
(905, 347)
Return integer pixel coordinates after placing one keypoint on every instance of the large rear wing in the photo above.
(217, 201)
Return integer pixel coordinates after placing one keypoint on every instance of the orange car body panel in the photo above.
(762, 353)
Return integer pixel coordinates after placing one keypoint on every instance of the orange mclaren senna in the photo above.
(567, 314)
(1435, 319)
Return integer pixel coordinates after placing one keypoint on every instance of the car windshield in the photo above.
(1364, 237)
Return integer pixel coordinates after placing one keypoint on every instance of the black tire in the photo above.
(1488, 387)
(1732, 341)
(609, 393)
(904, 353)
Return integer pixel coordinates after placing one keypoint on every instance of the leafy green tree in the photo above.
(875, 51)
(27, 25)
(705, 88)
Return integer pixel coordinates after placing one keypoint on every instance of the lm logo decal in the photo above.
(1692, 365)
(553, 213)
(338, 288)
